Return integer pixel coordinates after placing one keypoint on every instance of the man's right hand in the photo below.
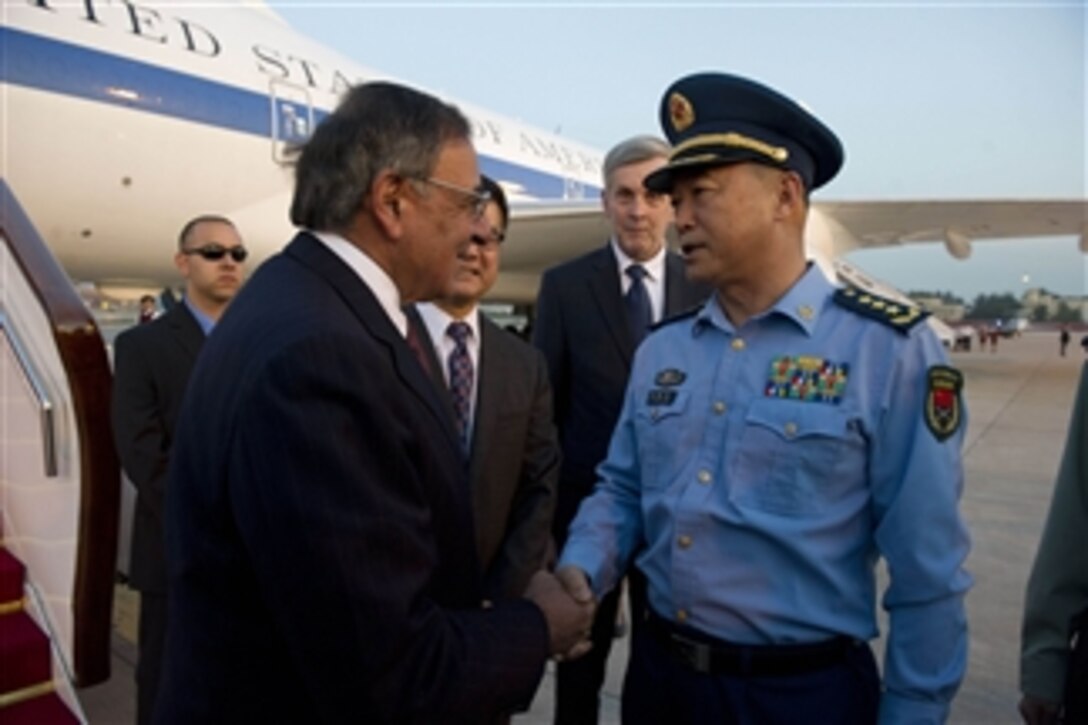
(570, 619)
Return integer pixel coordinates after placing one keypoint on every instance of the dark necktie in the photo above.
(639, 315)
(460, 370)
(412, 338)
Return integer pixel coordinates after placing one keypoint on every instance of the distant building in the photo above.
(940, 308)
(1038, 297)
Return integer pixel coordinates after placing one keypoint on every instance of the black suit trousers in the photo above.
(152, 644)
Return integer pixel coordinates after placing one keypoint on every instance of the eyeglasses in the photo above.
(215, 252)
(475, 199)
(492, 241)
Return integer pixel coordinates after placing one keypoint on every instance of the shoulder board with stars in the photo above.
(893, 314)
(690, 312)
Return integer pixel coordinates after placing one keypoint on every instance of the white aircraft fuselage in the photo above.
(124, 119)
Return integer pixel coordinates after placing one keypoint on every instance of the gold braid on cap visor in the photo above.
(777, 153)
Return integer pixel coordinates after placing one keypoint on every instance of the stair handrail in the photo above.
(33, 380)
(86, 364)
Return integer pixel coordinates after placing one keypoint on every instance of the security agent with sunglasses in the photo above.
(501, 404)
(320, 534)
(772, 445)
(152, 363)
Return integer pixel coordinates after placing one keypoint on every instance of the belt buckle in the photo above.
(695, 654)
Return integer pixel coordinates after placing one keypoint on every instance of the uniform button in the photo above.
(790, 429)
(704, 476)
(681, 615)
(719, 407)
(684, 541)
(738, 343)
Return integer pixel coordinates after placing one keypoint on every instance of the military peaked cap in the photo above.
(713, 119)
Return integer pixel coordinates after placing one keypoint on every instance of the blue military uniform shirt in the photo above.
(767, 468)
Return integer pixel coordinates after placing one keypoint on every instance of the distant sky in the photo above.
(935, 100)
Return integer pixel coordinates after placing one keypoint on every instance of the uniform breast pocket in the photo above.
(664, 425)
(796, 458)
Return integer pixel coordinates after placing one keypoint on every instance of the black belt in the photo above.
(722, 658)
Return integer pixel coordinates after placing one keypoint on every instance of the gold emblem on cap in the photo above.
(681, 112)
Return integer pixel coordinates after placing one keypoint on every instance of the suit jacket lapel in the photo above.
(675, 302)
(434, 363)
(490, 378)
(362, 302)
(186, 330)
(605, 286)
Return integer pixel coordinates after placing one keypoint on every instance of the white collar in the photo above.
(438, 320)
(373, 276)
(654, 266)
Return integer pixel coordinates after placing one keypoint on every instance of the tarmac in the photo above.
(1018, 399)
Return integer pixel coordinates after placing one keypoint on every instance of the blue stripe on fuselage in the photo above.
(45, 64)
(49, 65)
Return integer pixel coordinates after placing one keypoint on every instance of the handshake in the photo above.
(568, 605)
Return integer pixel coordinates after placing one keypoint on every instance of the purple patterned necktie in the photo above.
(460, 370)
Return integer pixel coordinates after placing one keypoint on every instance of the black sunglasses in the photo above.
(215, 252)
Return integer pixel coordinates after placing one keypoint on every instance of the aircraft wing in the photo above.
(545, 233)
(955, 223)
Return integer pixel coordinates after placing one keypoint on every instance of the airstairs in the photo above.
(59, 484)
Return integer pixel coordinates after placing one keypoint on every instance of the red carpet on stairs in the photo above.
(11, 577)
(46, 710)
(25, 651)
(26, 681)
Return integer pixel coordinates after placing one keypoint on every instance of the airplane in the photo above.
(124, 118)
(121, 119)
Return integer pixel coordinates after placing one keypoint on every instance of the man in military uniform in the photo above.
(771, 446)
(1053, 674)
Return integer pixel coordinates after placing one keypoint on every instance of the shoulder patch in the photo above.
(690, 312)
(944, 408)
(893, 314)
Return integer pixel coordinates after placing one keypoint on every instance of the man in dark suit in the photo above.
(591, 314)
(152, 362)
(320, 533)
(506, 417)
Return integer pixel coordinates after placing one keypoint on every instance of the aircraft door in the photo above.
(573, 188)
(292, 118)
